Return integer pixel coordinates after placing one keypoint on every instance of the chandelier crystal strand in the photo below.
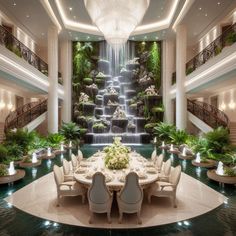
(116, 19)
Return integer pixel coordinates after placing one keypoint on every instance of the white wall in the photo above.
(227, 103)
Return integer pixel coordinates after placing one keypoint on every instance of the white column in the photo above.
(66, 70)
(53, 80)
(168, 56)
(181, 104)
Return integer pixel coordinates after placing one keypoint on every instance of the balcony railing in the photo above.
(13, 44)
(208, 114)
(24, 115)
(227, 38)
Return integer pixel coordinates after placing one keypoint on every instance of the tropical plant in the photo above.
(178, 137)
(21, 137)
(229, 171)
(201, 145)
(70, 131)
(3, 170)
(150, 127)
(218, 140)
(164, 130)
(88, 81)
(231, 38)
(158, 109)
(54, 140)
(154, 63)
(14, 153)
(3, 153)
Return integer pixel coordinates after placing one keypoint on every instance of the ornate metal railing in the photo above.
(227, 38)
(208, 114)
(24, 115)
(13, 44)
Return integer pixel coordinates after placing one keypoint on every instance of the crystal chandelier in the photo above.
(116, 19)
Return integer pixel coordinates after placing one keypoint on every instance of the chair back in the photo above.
(66, 167)
(80, 155)
(159, 161)
(98, 192)
(74, 161)
(58, 175)
(131, 193)
(154, 156)
(167, 167)
(175, 175)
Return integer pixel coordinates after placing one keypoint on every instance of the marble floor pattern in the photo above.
(39, 199)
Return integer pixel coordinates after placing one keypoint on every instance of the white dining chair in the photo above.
(159, 162)
(165, 172)
(166, 189)
(154, 156)
(67, 188)
(80, 156)
(74, 162)
(68, 174)
(99, 197)
(130, 197)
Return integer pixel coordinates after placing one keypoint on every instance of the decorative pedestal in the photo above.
(48, 157)
(12, 178)
(30, 164)
(206, 164)
(185, 157)
(222, 179)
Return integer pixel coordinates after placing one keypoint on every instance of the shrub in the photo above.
(70, 131)
(3, 153)
(163, 131)
(88, 81)
(178, 137)
(3, 170)
(54, 140)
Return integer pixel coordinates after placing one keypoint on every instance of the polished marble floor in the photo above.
(39, 199)
(220, 221)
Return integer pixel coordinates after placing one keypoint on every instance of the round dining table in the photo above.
(115, 179)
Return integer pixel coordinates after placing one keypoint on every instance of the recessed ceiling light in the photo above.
(206, 14)
(199, 8)
(88, 37)
(14, 4)
(70, 8)
(27, 16)
(218, 3)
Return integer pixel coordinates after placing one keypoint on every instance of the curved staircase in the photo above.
(25, 115)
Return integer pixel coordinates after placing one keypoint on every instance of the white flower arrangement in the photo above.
(84, 98)
(151, 90)
(117, 155)
(92, 86)
(119, 113)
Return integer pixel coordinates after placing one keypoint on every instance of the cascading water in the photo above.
(116, 66)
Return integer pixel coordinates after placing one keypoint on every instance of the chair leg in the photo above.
(139, 218)
(174, 201)
(91, 218)
(83, 198)
(120, 217)
(58, 200)
(109, 217)
(149, 198)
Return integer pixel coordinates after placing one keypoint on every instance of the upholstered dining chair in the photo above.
(67, 188)
(68, 174)
(166, 189)
(154, 156)
(130, 197)
(74, 162)
(165, 172)
(79, 156)
(159, 162)
(99, 197)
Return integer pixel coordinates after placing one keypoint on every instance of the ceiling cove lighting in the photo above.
(116, 19)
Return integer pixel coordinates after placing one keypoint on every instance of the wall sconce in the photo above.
(222, 106)
(9, 106)
(2, 105)
(231, 105)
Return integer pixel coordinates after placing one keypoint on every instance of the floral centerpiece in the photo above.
(117, 155)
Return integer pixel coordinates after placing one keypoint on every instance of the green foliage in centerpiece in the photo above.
(117, 155)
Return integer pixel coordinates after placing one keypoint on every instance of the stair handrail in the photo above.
(24, 115)
(209, 114)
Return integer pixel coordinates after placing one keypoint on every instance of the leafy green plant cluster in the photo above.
(154, 63)
(163, 131)
(54, 140)
(3, 170)
(70, 131)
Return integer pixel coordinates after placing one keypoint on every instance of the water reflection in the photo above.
(49, 164)
(198, 172)
(34, 173)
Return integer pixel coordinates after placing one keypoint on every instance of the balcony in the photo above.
(227, 38)
(14, 45)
